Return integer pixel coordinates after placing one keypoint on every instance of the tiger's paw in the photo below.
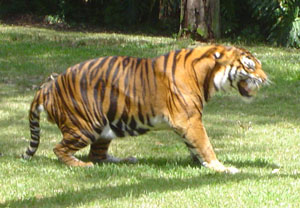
(219, 167)
(232, 170)
(87, 164)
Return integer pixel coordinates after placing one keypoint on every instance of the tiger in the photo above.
(98, 100)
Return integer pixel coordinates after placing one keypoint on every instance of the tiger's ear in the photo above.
(224, 55)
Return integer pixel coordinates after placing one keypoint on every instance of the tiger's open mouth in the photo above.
(246, 89)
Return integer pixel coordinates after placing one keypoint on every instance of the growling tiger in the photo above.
(98, 100)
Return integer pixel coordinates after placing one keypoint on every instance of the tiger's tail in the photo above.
(37, 106)
(34, 123)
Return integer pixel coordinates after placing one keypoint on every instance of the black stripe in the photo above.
(76, 123)
(120, 124)
(169, 105)
(154, 73)
(206, 85)
(187, 55)
(138, 61)
(77, 142)
(104, 148)
(98, 68)
(125, 62)
(69, 93)
(195, 75)
(83, 87)
(132, 123)
(35, 139)
(99, 88)
(141, 130)
(129, 131)
(73, 74)
(117, 69)
(113, 103)
(147, 75)
(152, 110)
(35, 115)
(45, 93)
(80, 144)
(91, 63)
(97, 104)
(127, 85)
(93, 70)
(166, 57)
(29, 152)
(102, 62)
(79, 67)
(36, 132)
(34, 123)
(117, 131)
(174, 66)
(200, 100)
(142, 81)
(73, 118)
(83, 93)
(173, 101)
(148, 120)
(198, 109)
(100, 143)
(124, 116)
(110, 67)
(181, 99)
(126, 81)
(34, 144)
(140, 113)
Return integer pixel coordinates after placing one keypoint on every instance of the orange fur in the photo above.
(100, 99)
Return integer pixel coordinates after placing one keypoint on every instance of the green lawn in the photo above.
(261, 138)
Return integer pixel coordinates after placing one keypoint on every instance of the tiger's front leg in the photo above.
(198, 142)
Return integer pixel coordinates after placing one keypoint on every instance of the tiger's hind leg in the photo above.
(66, 149)
(98, 153)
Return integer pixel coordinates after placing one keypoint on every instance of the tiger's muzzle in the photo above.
(249, 87)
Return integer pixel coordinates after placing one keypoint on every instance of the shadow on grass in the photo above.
(188, 162)
(145, 186)
(168, 163)
(258, 163)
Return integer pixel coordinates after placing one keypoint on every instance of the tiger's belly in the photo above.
(119, 128)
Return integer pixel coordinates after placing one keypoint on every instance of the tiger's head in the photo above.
(238, 68)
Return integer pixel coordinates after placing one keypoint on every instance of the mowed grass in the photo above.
(261, 138)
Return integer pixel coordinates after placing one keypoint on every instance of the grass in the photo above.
(260, 138)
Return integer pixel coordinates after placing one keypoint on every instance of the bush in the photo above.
(279, 20)
(275, 21)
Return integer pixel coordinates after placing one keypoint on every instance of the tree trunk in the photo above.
(200, 19)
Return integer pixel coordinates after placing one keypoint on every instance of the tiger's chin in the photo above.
(247, 90)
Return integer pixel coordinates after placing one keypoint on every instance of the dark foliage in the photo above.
(274, 21)
(120, 14)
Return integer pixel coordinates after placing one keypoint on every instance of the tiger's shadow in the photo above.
(164, 162)
(188, 162)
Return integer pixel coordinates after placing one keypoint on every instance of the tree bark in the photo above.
(200, 19)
